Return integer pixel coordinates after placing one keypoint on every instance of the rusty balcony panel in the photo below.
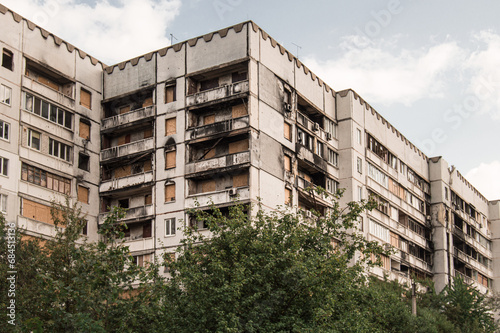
(218, 93)
(218, 162)
(134, 213)
(127, 119)
(135, 147)
(48, 93)
(217, 128)
(124, 182)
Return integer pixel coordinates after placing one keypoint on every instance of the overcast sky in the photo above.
(431, 68)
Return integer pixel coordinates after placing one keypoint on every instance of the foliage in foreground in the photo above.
(275, 272)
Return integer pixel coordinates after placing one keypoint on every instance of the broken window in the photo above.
(239, 110)
(83, 194)
(85, 98)
(7, 59)
(83, 161)
(48, 111)
(238, 76)
(240, 180)
(320, 149)
(209, 84)
(84, 129)
(123, 203)
(331, 185)
(170, 126)
(170, 192)
(148, 101)
(170, 93)
(238, 146)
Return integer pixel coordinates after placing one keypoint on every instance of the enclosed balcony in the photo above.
(133, 214)
(217, 128)
(230, 160)
(218, 94)
(125, 182)
(133, 148)
(127, 119)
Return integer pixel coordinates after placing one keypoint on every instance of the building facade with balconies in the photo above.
(227, 116)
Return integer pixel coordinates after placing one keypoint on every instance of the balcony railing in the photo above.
(129, 181)
(307, 186)
(313, 127)
(134, 213)
(217, 197)
(218, 162)
(216, 128)
(127, 149)
(464, 277)
(217, 93)
(127, 118)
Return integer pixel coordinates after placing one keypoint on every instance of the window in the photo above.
(238, 146)
(59, 150)
(288, 163)
(402, 167)
(83, 161)
(239, 110)
(360, 193)
(33, 139)
(379, 231)
(378, 175)
(238, 76)
(331, 185)
(46, 179)
(84, 129)
(83, 194)
(169, 192)
(446, 193)
(382, 204)
(170, 126)
(4, 166)
(141, 260)
(85, 98)
(7, 59)
(5, 94)
(170, 159)
(240, 180)
(85, 228)
(169, 258)
(358, 135)
(319, 149)
(287, 131)
(359, 165)
(392, 161)
(288, 196)
(4, 130)
(333, 157)
(331, 128)
(48, 111)
(123, 203)
(170, 227)
(3, 203)
(170, 92)
(305, 139)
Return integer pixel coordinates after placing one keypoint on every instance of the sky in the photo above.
(431, 68)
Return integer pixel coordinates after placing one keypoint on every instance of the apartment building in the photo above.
(225, 116)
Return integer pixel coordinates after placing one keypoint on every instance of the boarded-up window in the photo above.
(170, 159)
(208, 119)
(288, 163)
(288, 196)
(209, 84)
(84, 131)
(148, 199)
(148, 133)
(210, 154)
(169, 192)
(146, 230)
(240, 180)
(287, 131)
(147, 102)
(170, 94)
(239, 110)
(123, 171)
(83, 194)
(170, 126)
(147, 166)
(238, 146)
(36, 211)
(124, 139)
(48, 82)
(85, 99)
(394, 240)
(124, 109)
(385, 261)
(208, 186)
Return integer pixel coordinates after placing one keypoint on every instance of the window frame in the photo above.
(3, 93)
(61, 147)
(52, 112)
(3, 203)
(30, 139)
(89, 107)
(171, 231)
(4, 130)
(4, 166)
(10, 54)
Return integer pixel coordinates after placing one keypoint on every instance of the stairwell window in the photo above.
(8, 59)
(5, 94)
(4, 166)
(170, 227)
(4, 130)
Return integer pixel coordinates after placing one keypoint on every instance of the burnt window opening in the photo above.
(238, 76)
(8, 59)
(83, 162)
(123, 203)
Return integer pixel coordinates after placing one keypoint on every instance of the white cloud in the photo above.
(484, 65)
(486, 178)
(384, 77)
(110, 32)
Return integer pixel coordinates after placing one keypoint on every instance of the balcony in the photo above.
(129, 181)
(218, 197)
(219, 93)
(217, 128)
(133, 214)
(218, 162)
(308, 187)
(313, 127)
(140, 244)
(132, 148)
(127, 119)
(48, 92)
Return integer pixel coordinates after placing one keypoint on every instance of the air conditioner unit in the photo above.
(309, 214)
(428, 217)
(287, 107)
(316, 127)
(328, 136)
(232, 192)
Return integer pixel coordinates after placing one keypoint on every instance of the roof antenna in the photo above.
(172, 37)
(298, 47)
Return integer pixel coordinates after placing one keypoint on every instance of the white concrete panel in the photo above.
(130, 78)
(309, 88)
(172, 64)
(272, 58)
(272, 190)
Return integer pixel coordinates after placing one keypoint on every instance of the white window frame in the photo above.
(57, 149)
(333, 157)
(360, 193)
(5, 95)
(4, 166)
(379, 231)
(170, 227)
(358, 135)
(4, 130)
(320, 146)
(30, 139)
(359, 165)
(3, 203)
(331, 185)
(54, 113)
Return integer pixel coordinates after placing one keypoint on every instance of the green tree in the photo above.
(69, 285)
(275, 272)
